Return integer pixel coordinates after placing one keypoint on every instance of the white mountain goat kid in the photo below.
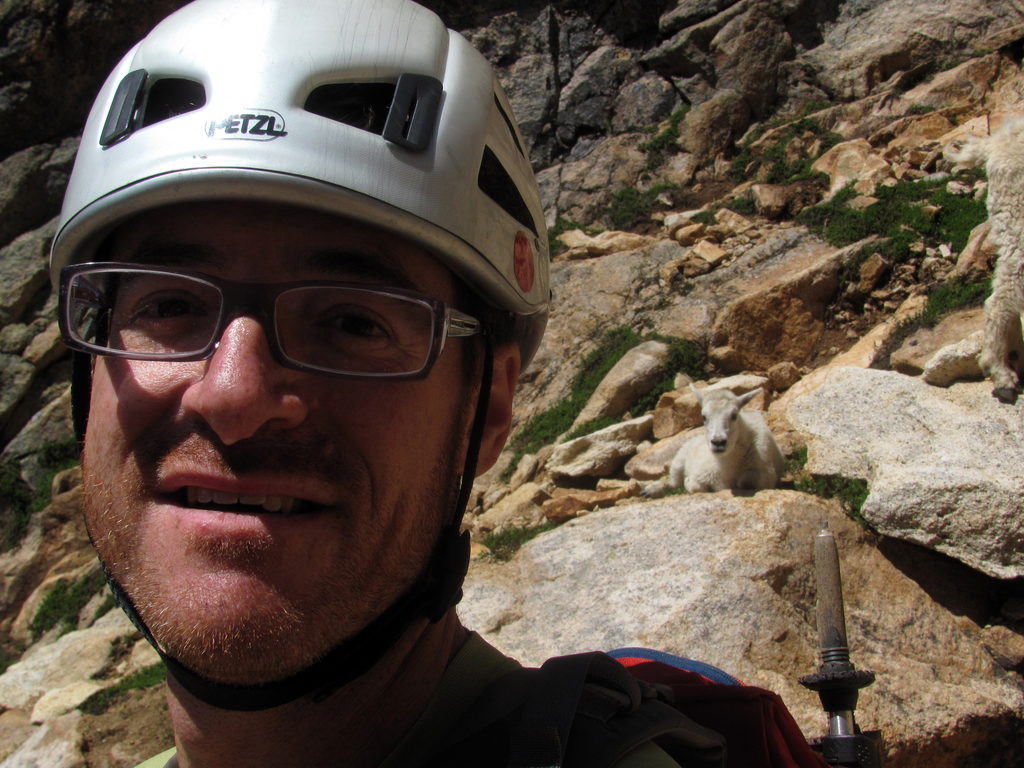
(1002, 154)
(737, 450)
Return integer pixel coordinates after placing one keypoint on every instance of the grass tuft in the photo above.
(63, 603)
(21, 501)
(101, 701)
(900, 217)
(851, 492)
(630, 206)
(504, 544)
(777, 167)
(665, 142)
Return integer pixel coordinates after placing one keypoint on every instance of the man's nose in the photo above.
(243, 389)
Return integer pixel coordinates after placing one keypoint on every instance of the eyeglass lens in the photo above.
(333, 328)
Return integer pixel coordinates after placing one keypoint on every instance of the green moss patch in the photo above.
(900, 216)
(17, 503)
(777, 167)
(63, 603)
(101, 701)
(664, 142)
(630, 207)
(19, 500)
(851, 492)
(506, 543)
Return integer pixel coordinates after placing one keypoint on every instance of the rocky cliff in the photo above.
(749, 193)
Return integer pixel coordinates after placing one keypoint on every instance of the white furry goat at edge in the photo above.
(1002, 154)
(737, 450)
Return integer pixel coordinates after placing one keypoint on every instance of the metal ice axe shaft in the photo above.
(837, 681)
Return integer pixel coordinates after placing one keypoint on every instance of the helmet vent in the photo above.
(133, 108)
(508, 122)
(361, 105)
(170, 97)
(497, 184)
(404, 112)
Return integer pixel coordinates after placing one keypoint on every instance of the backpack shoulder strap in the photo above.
(578, 711)
(618, 713)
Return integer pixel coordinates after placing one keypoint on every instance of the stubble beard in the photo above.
(286, 633)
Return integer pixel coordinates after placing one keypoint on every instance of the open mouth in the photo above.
(206, 498)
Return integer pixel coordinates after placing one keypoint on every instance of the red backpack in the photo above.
(590, 710)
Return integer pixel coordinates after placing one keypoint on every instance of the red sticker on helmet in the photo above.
(524, 262)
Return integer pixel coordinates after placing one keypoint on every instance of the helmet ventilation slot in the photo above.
(404, 112)
(133, 107)
(361, 105)
(498, 185)
(508, 122)
(170, 97)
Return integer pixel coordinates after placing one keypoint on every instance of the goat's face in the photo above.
(720, 416)
(720, 410)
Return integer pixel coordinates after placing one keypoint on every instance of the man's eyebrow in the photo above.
(175, 255)
(348, 265)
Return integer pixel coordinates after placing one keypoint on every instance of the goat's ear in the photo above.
(700, 397)
(744, 399)
(498, 422)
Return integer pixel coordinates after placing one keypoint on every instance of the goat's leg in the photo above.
(1002, 333)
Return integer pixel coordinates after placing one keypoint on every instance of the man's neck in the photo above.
(356, 727)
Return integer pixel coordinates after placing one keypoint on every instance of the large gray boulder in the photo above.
(943, 465)
(729, 580)
(873, 40)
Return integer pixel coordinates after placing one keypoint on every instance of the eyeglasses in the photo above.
(153, 313)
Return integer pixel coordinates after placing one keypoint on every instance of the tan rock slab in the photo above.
(851, 161)
(652, 463)
(733, 223)
(633, 376)
(710, 252)
(955, 362)
(976, 260)
(519, 508)
(602, 244)
(60, 701)
(919, 348)
(569, 503)
(689, 234)
(600, 453)
(15, 728)
(46, 347)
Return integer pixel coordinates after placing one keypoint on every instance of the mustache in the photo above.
(282, 453)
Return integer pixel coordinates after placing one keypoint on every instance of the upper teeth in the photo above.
(270, 503)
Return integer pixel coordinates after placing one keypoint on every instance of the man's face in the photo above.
(183, 460)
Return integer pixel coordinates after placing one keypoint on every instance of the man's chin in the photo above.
(237, 655)
(229, 626)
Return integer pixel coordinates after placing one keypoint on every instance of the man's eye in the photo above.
(359, 325)
(167, 308)
(158, 308)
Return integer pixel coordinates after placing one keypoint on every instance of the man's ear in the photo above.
(498, 422)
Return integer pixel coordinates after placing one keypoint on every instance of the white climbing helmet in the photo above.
(370, 109)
